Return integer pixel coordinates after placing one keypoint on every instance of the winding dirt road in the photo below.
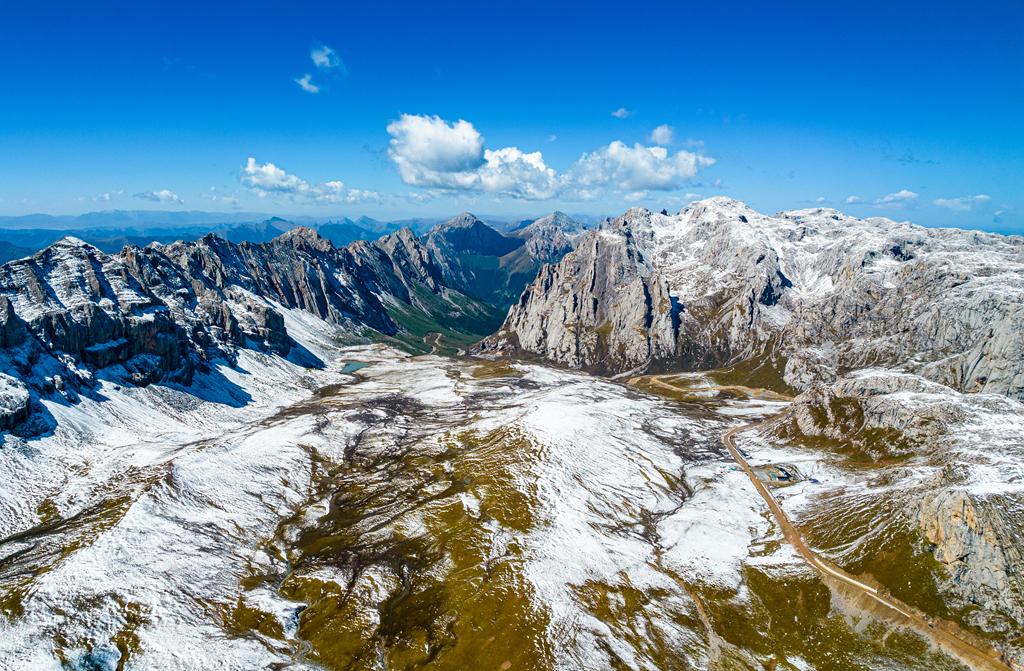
(963, 650)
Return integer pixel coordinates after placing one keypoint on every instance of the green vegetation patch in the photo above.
(461, 323)
(419, 582)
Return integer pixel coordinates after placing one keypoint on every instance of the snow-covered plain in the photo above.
(271, 513)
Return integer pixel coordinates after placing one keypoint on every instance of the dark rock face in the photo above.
(483, 262)
(160, 313)
(466, 233)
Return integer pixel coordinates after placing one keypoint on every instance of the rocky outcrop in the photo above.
(953, 482)
(945, 304)
(162, 312)
(602, 307)
(975, 541)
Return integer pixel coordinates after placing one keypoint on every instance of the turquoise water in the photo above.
(353, 366)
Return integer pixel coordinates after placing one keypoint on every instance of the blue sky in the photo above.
(906, 110)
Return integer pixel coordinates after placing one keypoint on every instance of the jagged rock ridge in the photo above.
(160, 312)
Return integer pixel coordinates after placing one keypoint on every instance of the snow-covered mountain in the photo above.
(71, 313)
(807, 293)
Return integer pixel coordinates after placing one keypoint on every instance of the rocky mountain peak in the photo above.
(303, 237)
(942, 303)
(558, 220)
(464, 220)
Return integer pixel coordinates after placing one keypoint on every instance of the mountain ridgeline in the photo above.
(789, 299)
(792, 298)
(71, 313)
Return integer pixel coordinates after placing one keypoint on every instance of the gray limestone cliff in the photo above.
(812, 292)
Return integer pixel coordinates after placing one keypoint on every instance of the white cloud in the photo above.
(423, 144)
(106, 196)
(269, 179)
(854, 200)
(896, 199)
(622, 113)
(663, 135)
(163, 196)
(429, 152)
(325, 57)
(636, 196)
(552, 138)
(212, 196)
(718, 182)
(820, 199)
(306, 85)
(693, 196)
(635, 168)
(962, 204)
(433, 153)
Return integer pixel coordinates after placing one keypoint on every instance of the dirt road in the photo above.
(963, 650)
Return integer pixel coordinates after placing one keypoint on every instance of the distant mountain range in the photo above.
(111, 231)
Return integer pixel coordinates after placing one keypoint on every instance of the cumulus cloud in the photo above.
(424, 144)
(622, 113)
(212, 195)
(635, 168)
(325, 57)
(433, 153)
(663, 135)
(693, 196)
(105, 196)
(854, 200)
(636, 196)
(163, 196)
(268, 179)
(306, 85)
(962, 204)
(896, 199)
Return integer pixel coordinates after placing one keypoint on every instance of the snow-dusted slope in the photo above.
(71, 313)
(934, 502)
(426, 513)
(833, 290)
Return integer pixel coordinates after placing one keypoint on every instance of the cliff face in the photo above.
(602, 307)
(947, 467)
(816, 287)
(158, 313)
